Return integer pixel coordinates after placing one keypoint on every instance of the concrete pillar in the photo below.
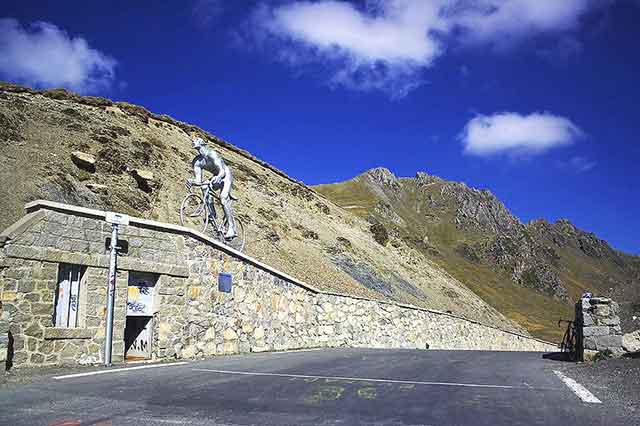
(598, 328)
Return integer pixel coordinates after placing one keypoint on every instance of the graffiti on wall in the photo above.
(140, 295)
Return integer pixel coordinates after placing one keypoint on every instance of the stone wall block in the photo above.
(609, 342)
(601, 310)
(17, 273)
(26, 285)
(41, 309)
(7, 285)
(230, 347)
(55, 217)
(596, 331)
(230, 334)
(611, 321)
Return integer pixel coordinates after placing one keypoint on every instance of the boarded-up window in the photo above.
(68, 295)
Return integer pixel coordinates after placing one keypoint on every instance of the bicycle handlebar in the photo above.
(189, 184)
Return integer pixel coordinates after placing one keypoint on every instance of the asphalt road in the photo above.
(325, 387)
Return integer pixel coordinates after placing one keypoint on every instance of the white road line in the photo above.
(360, 379)
(578, 389)
(140, 420)
(117, 370)
(291, 351)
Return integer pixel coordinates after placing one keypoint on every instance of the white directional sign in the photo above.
(117, 218)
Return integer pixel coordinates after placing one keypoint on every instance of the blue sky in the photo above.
(535, 100)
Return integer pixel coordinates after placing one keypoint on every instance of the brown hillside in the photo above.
(289, 225)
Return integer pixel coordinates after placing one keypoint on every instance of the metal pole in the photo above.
(111, 289)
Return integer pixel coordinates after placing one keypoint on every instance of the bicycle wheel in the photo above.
(193, 212)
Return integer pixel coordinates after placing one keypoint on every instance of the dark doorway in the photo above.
(137, 338)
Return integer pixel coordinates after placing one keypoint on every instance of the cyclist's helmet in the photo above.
(197, 142)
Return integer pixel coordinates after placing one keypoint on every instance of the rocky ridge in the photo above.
(472, 234)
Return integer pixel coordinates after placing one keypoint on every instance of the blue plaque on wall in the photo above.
(225, 281)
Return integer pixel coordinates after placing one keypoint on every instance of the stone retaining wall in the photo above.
(266, 310)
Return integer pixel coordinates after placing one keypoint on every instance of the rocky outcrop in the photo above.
(383, 177)
(385, 210)
(527, 263)
(631, 341)
(480, 209)
(96, 187)
(145, 179)
(508, 246)
(84, 161)
(423, 180)
(563, 233)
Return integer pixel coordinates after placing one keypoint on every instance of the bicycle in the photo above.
(197, 214)
(568, 344)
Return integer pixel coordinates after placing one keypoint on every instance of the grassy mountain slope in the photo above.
(289, 225)
(532, 273)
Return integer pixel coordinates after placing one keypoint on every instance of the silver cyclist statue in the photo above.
(208, 159)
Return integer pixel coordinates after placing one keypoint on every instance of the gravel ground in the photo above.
(613, 381)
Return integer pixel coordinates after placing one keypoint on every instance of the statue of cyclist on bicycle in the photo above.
(208, 159)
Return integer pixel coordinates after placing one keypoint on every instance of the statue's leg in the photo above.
(225, 199)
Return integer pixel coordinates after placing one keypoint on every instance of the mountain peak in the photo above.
(424, 178)
(382, 176)
(564, 222)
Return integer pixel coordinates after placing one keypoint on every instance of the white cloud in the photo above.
(500, 21)
(396, 36)
(43, 55)
(387, 44)
(382, 47)
(517, 134)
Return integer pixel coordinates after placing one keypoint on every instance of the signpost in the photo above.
(115, 219)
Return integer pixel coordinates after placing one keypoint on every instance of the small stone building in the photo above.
(181, 294)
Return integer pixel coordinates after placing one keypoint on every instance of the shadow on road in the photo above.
(559, 356)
